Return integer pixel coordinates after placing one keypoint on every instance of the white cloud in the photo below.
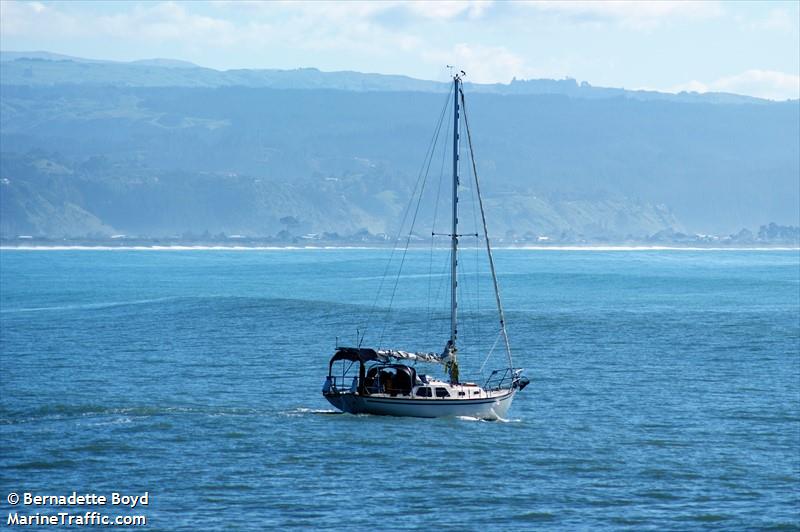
(483, 64)
(352, 29)
(161, 21)
(32, 18)
(361, 9)
(777, 19)
(759, 83)
(266, 26)
(167, 21)
(496, 40)
(638, 15)
(447, 10)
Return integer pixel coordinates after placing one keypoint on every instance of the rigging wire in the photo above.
(438, 300)
(428, 155)
(476, 319)
(426, 169)
(466, 315)
(497, 339)
(429, 311)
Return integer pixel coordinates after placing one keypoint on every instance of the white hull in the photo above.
(495, 406)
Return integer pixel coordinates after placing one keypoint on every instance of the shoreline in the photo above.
(181, 247)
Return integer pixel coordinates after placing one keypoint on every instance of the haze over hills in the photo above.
(159, 148)
(46, 68)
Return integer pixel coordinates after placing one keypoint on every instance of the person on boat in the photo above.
(451, 366)
(371, 383)
(390, 385)
(386, 382)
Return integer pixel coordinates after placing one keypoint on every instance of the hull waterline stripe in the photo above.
(442, 402)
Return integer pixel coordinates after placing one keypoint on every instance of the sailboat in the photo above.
(386, 381)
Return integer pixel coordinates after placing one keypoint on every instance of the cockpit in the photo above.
(393, 379)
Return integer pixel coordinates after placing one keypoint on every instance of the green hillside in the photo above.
(90, 157)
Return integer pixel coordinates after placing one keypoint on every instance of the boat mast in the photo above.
(453, 365)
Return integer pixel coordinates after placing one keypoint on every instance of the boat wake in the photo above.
(114, 414)
(470, 418)
(89, 306)
(495, 420)
(296, 412)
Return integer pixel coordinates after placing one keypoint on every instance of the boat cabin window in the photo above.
(442, 392)
(423, 392)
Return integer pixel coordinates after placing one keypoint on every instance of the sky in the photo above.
(748, 48)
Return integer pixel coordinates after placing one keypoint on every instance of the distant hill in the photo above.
(45, 68)
(45, 56)
(154, 150)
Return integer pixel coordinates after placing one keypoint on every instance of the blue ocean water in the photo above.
(665, 390)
